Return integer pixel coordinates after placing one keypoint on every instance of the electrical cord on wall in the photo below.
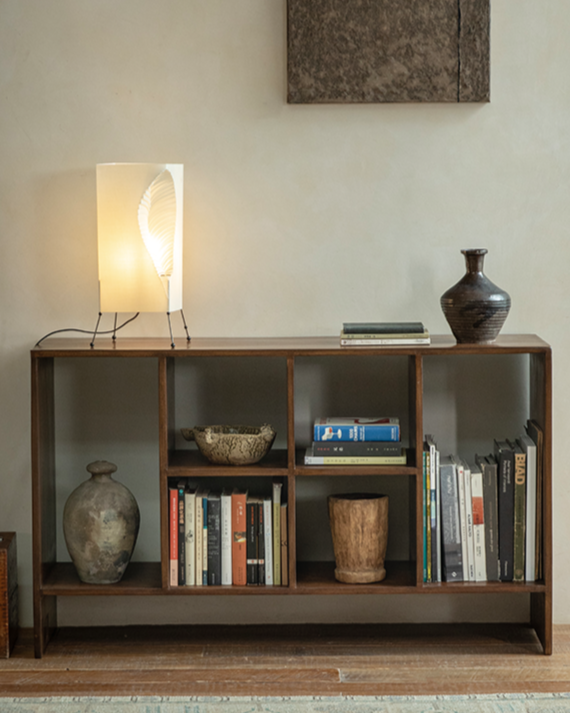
(87, 331)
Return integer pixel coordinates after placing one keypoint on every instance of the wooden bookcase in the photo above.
(53, 578)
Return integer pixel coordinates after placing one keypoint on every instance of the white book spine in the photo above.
(433, 510)
(469, 523)
(190, 536)
(462, 518)
(478, 525)
(226, 527)
(268, 537)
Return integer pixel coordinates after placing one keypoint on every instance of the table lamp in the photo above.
(139, 232)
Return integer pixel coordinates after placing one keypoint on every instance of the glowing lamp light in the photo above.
(139, 231)
(139, 227)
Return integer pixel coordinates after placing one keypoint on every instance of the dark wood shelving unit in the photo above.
(53, 579)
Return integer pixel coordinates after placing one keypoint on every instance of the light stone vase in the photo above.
(101, 523)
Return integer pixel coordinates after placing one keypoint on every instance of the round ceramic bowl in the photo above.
(232, 445)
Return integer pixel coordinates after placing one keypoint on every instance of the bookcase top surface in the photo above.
(276, 346)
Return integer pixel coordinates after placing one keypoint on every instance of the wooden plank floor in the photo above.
(289, 660)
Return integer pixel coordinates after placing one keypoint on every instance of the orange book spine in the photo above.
(173, 492)
(239, 541)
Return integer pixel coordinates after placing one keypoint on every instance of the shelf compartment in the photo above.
(139, 578)
(190, 463)
(246, 390)
(318, 578)
(357, 383)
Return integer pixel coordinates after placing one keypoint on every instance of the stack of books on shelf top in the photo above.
(482, 517)
(369, 334)
(356, 441)
(227, 538)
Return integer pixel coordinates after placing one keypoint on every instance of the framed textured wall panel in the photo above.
(366, 51)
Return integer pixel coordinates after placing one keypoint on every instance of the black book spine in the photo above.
(214, 540)
(452, 564)
(383, 328)
(260, 544)
(504, 455)
(491, 516)
(252, 542)
(356, 448)
(181, 538)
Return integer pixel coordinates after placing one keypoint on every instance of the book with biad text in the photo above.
(529, 447)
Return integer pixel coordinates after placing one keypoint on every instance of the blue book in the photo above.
(356, 429)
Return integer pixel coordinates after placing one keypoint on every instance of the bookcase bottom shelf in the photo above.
(144, 578)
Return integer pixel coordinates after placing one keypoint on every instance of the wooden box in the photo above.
(8, 593)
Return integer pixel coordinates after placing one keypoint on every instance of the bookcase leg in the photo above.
(45, 623)
(541, 620)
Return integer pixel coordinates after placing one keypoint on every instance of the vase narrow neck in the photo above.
(101, 477)
(474, 260)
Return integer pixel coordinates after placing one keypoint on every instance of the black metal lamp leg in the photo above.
(185, 325)
(95, 332)
(114, 337)
(170, 329)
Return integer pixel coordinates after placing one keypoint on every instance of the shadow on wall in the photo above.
(63, 264)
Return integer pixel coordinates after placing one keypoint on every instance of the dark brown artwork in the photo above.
(351, 51)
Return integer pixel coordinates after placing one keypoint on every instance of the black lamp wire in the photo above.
(87, 331)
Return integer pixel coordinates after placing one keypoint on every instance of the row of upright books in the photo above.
(482, 518)
(383, 334)
(227, 538)
(356, 441)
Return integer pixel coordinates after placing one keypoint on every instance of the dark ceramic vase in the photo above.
(101, 523)
(475, 308)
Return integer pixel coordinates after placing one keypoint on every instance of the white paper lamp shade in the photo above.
(139, 229)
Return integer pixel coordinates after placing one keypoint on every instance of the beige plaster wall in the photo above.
(297, 218)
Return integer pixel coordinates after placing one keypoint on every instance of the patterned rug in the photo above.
(501, 703)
